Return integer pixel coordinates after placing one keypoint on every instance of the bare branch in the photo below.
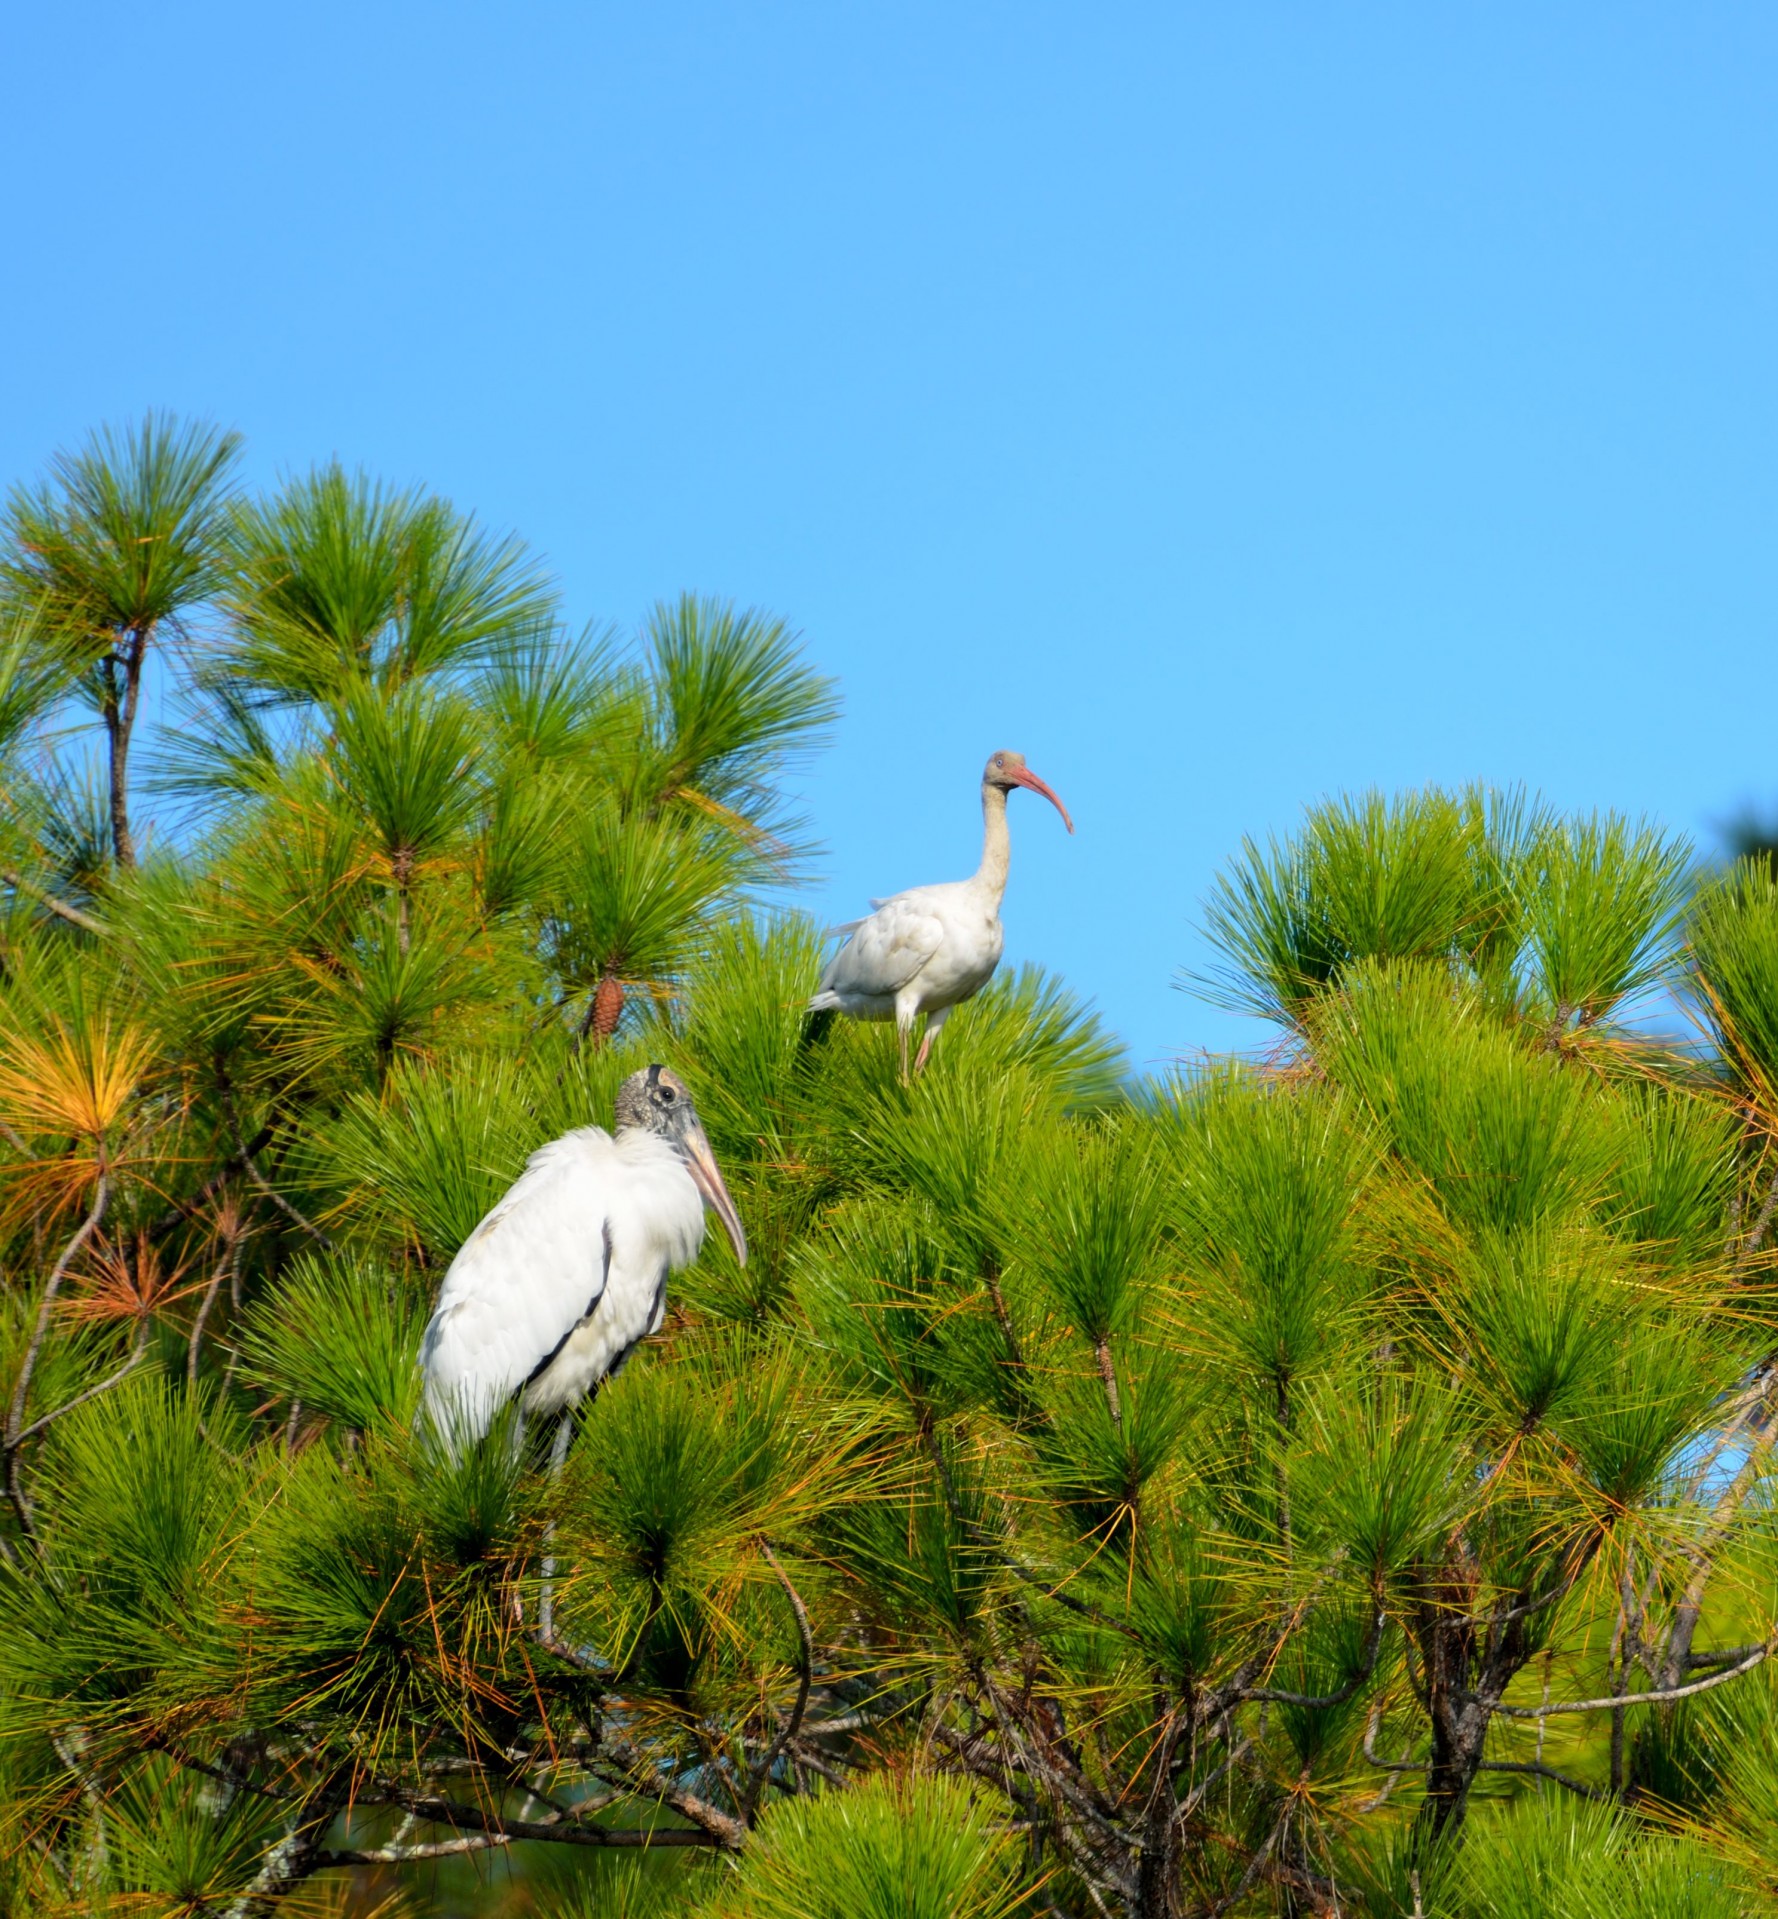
(1542, 1772)
(251, 1167)
(223, 1266)
(15, 1418)
(1401, 1765)
(561, 1831)
(92, 1392)
(1763, 1651)
(788, 1731)
(401, 1855)
(1762, 1223)
(1277, 1697)
(1721, 1655)
(9, 876)
(637, 1776)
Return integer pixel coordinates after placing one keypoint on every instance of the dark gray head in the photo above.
(656, 1101)
(1007, 769)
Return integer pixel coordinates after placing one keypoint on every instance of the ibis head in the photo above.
(1008, 769)
(656, 1101)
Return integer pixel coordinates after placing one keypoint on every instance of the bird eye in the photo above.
(999, 759)
(666, 1096)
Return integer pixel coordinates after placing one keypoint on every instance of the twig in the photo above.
(184, 1209)
(48, 901)
(1541, 1773)
(1108, 1373)
(1760, 1224)
(788, 1731)
(847, 1722)
(1549, 1660)
(1193, 1799)
(15, 1418)
(1721, 1655)
(567, 1832)
(209, 1300)
(1394, 1769)
(400, 1855)
(1763, 1651)
(1703, 1555)
(718, 1827)
(1255, 1864)
(1316, 1701)
(92, 1392)
(251, 1167)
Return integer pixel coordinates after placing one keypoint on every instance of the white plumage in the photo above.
(562, 1279)
(930, 948)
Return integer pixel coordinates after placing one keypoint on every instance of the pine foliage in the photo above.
(1336, 1482)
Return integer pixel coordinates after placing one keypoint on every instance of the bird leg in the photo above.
(903, 1030)
(933, 1022)
(558, 1454)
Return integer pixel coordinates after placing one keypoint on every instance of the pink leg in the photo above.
(933, 1022)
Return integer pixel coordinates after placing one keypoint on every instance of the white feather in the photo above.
(932, 946)
(533, 1305)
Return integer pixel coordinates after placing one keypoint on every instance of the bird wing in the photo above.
(533, 1269)
(886, 950)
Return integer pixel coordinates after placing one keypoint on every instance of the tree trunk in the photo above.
(1469, 1665)
(119, 708)
(1459, 1734)
(295, 1856)
(1157, 1866)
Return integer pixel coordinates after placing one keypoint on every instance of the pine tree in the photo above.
(1330, 1481)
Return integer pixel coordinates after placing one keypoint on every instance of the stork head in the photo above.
(1008, 769)
(655, 1101)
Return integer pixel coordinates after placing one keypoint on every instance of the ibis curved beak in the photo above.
(702, 1163)
(1023, 776)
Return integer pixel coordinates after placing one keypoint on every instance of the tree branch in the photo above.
(788, 1731)
(634, 1776)
(209, 1300)
(10, 876)
(1761, 1224)
(561, 1831)
(92, 1392)
(1763, 1651)
(184, 1209)
(15, 1418)
(1273, 1695)
(251, 1166)
(1542, 1772)
(401, 1855)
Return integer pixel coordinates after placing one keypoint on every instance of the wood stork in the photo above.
(930, 948)
(568, 1274)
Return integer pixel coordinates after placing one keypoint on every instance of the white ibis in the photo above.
(930, 948)
(568, 1274)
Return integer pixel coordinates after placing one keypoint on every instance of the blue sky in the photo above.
(1223, 405)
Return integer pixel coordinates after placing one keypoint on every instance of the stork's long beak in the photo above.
(708, 1180)
(1023, 776)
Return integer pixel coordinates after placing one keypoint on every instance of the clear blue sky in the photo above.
(1225, 405)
